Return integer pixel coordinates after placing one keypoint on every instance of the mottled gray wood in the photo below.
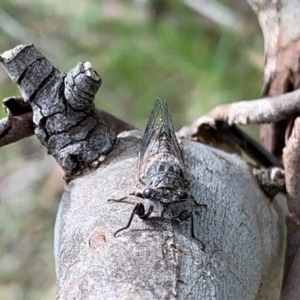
(158, 259)
(64, 115)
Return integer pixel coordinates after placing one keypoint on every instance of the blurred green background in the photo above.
(195, 57)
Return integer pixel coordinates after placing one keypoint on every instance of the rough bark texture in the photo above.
(157, 258)
(19, 124)
(291, 159)
(63, 110)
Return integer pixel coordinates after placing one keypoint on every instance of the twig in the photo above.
(114, 123)
(13, 129)
(264, 110)
(19, 124)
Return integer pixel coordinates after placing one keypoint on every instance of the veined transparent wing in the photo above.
(159, 135)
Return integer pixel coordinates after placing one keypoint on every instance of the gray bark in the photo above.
(64, 115)
(158, 259)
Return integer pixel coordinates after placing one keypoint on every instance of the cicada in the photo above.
(161, 168)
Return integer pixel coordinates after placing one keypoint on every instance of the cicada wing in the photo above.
(168, 128)
(159, 127)
(149, 138)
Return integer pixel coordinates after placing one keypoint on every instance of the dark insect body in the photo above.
(161, 167)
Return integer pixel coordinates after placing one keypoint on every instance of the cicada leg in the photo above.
(188, 215)
(139, 210)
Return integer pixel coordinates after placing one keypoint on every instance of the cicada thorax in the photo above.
(162, 168)
(163, 172)
(163, 179)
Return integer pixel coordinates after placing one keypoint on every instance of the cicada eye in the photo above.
(148, 193)
(182, 194)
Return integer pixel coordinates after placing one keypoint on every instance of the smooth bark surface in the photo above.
(158, 259)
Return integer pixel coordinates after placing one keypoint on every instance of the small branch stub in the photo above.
(63, 110)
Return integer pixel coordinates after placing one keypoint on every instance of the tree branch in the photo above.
(265, 110)
(13, 129)
(63, 110)
(16, 128)
(115, 124)
(291, 159)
